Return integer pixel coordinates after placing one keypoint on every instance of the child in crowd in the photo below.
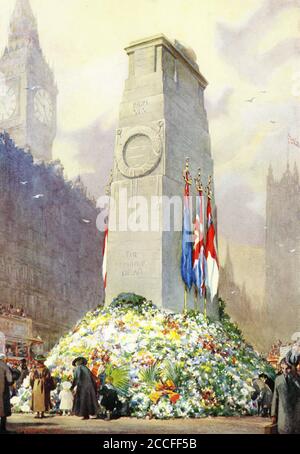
(66, 398)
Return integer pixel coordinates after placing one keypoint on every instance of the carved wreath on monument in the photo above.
(139, 149)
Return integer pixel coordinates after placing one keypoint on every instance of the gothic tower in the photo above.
(27, 88)
(282, 293)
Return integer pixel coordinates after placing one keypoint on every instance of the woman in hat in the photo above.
(84, 386)
(41, 383)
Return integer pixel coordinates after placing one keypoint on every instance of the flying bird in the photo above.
(24, 182)
(35, 87)
(292, 251)
(38, 196)
(250, 100)
(273, 122)
(86, 221)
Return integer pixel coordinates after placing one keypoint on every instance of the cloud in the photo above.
(239, 46)
(93, 153)
(236, 217)
(217, 106)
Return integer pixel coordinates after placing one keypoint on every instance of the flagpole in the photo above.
(195, 298)
(185, 272)
(185, 300)
(205, 308)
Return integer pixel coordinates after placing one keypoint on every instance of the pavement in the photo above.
(26, 424)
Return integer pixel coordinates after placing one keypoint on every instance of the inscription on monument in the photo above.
(140, 107)
(137, 150)
(133, 266)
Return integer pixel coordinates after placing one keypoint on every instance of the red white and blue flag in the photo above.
(104, 271)
(212, 276)
(293, 141)
(187, 241)
(199, 259)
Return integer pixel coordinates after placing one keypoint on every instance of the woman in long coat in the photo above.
(5, 381)
(41, 383)
(84, 385)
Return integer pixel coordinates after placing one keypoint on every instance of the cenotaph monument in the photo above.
(162, 121)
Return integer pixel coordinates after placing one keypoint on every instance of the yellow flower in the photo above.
(155, 396)
(174, 335)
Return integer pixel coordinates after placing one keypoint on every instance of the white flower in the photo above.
(15, 400)
(25, 408)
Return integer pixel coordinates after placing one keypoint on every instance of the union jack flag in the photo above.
(212, 276)
(199, 260)
(293, 141)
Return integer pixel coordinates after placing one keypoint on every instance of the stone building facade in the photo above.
(50, 248)
(282, 293)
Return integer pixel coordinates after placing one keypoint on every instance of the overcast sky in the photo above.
(245, 48)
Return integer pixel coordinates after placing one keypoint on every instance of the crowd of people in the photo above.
(10, 310)
(82, 397)
(86, 396)
(280, 398)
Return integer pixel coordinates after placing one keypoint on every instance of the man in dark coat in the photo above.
(6, 380)
(84, 385)
(110, 400)
(24, 372)
(263, 394)
(286, 401)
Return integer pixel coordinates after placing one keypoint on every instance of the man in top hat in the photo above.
(24, 372)
(85, 389)
(6, 380)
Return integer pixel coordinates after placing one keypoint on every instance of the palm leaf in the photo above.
(118, 377)
(172, 372)
(149, 375)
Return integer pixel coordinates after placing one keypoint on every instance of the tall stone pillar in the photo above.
(162, 120)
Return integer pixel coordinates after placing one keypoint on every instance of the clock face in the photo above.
(43, 107)
(8, 103)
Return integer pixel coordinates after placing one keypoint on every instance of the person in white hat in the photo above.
(6, 380)
(293, 355)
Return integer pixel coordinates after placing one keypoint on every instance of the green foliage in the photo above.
(118, 377)
(149, 375)
(128, 298)
(222, 310)
(231, 327)
(192, 313)
(131, 301)
(172, 372)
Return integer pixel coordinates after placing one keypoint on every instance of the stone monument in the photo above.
(162, 120)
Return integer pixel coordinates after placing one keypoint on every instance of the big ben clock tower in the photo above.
(27, 88)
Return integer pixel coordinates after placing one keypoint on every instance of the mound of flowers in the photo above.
(164, 365)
